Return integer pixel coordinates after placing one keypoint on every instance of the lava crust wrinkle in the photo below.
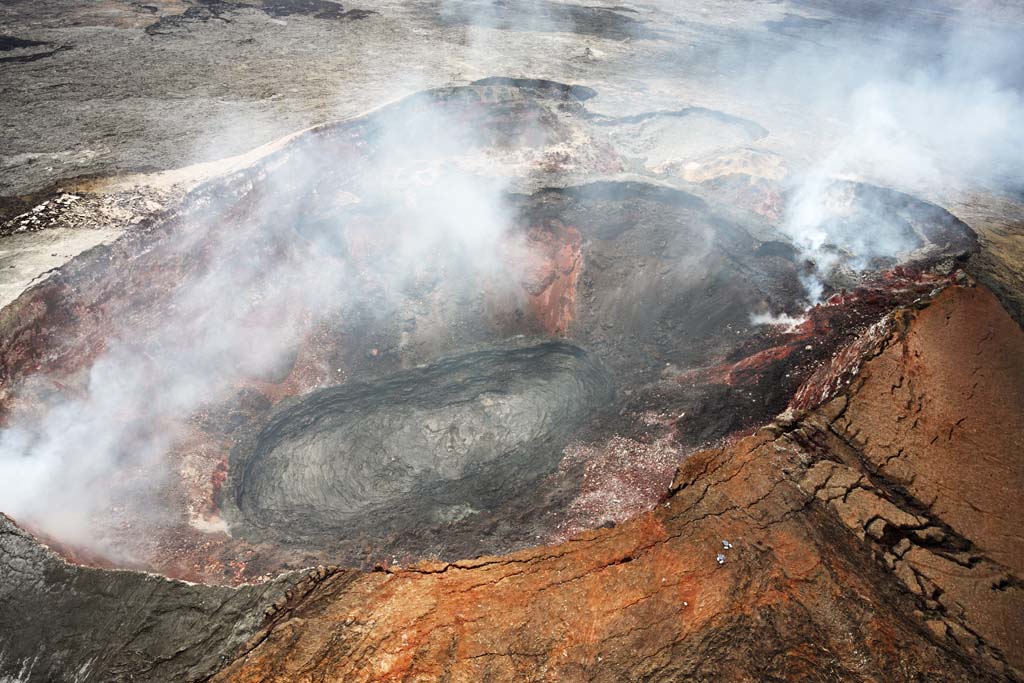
(443, 440)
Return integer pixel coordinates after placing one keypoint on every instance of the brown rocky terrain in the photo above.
(871, 538)
(866, 534)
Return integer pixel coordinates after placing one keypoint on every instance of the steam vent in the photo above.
(484, 340)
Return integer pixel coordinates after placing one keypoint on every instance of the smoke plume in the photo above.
(269, 275)
(924, 113)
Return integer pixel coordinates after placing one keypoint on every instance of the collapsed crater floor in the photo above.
(415, 449)
(429, 230)
(369, 352)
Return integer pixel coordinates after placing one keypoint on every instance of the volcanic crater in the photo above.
(433, 400)
(503, 340)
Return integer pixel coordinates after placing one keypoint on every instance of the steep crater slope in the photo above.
(63, 622)
(818, 548)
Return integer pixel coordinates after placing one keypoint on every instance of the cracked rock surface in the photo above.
(798, 552)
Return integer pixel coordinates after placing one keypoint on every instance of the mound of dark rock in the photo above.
(427, 445)
(222, 10)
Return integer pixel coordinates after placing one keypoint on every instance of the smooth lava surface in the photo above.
(431, 444)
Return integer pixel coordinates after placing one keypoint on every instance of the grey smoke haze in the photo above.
(68, 472)
(926, 112)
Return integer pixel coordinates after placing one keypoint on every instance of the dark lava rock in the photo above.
(207, 10)
(918, 233)
(8, 43)
(61, 622)
(435, 443)
(540, 87)
(664, 274)
(541, 16)
(27, 50)
(319, 9)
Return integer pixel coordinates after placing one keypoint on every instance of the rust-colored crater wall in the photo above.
(782, 555)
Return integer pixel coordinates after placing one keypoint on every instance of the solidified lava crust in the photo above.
(437, 442)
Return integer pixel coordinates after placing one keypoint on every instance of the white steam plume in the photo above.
(69, 471)
(955, 121)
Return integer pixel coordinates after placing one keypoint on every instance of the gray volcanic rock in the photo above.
(433, 442)
(61, 622)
